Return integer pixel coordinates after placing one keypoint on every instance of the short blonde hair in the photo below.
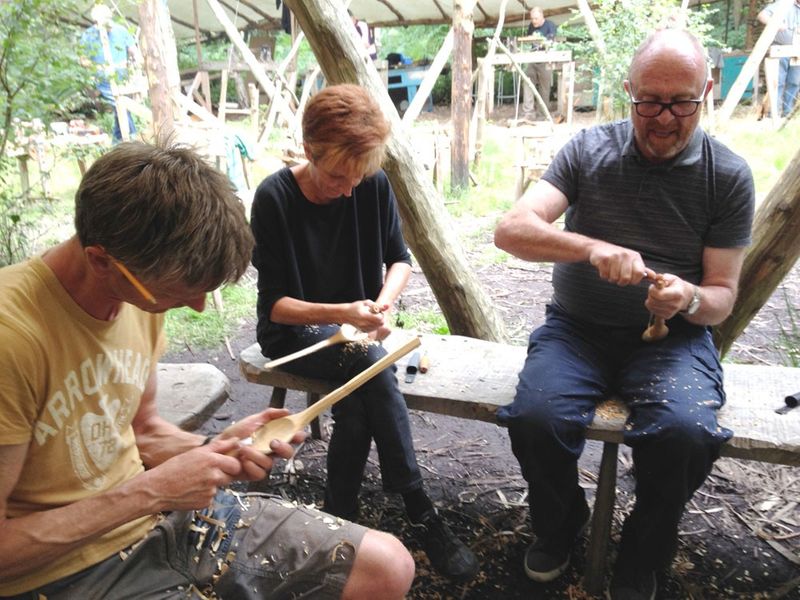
(344, 125)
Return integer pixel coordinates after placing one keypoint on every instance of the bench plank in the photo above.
(472, 378)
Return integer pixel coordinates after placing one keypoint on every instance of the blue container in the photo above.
(731, 67)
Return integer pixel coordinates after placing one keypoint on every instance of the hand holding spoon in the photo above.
(657, 329)
(283, 429)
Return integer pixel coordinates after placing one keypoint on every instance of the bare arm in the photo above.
(367, 315)
(527, 231)
(395, 282)
(718, 289)
(183, 476)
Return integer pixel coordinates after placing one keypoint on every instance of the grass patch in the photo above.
(424, 321)
(186, 328)
(789, 339)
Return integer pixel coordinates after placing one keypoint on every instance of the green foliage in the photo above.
(186, 328)
(416, 41)
(423, 321)
(624, 25)
(40, 76)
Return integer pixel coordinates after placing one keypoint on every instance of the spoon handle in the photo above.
(305, 351)
(305, 417)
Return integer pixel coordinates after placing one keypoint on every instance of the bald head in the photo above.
(537, 16)
(670, 45)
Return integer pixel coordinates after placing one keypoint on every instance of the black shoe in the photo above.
(548, 557)
(448, 555)
(632, 584)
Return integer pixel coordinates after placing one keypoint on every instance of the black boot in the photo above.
(448, 555)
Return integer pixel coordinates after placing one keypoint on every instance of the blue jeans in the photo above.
(375, 410)
(788, 85)
(108, 97)
(673, 389)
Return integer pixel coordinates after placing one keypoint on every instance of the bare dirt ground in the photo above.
(740, 536)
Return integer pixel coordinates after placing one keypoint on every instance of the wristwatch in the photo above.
(694, 303)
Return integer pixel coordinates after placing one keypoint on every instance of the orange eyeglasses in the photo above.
(134, 281)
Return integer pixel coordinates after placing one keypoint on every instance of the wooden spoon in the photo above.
(346, 333)
(656, 329)
(283, 429)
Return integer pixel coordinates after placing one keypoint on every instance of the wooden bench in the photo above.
(188, 394)
(471, 378)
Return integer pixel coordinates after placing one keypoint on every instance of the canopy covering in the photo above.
(266, 15)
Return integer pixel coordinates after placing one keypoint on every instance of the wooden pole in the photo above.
(597, 36)
(461, 93)
(775, 250)
(486, 74)
(426, 224)
(206, 84)
(424, 90)
(249, 58)
(160, 64)
(753, 61)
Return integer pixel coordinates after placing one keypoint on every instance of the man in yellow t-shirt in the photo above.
(99, 496)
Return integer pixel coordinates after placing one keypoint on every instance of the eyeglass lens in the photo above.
(683, 108)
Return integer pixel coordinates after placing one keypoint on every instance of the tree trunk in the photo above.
(775, 249)
(461, 93)
(426, 224)
(160, 63)
(752, 14)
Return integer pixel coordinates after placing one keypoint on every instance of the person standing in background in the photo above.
(788, 74)
(366, 35)
(539, 73)
(111, 47)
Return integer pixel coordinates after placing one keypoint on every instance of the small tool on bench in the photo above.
(424, 363)
(412, 367)
(346, 333)
(656, 329)
(283, 429)
(791, 401)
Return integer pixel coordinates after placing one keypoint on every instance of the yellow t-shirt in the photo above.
(70, 387)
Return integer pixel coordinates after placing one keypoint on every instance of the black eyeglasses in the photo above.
(679, 108)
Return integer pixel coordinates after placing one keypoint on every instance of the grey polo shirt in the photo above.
(668, 212)
(792, 19)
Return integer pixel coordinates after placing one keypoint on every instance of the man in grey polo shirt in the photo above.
(652, 198)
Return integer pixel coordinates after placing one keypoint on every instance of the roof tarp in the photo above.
(265, 14)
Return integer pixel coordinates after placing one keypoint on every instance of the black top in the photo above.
(547, 30)
(326, 253)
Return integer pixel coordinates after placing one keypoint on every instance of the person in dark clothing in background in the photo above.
(325, 231)
(544, 31)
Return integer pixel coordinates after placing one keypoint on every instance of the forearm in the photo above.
(290, 311)
(27, 543)
(159, 440)
(530, 238)
(716, 303)
(395, 282)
